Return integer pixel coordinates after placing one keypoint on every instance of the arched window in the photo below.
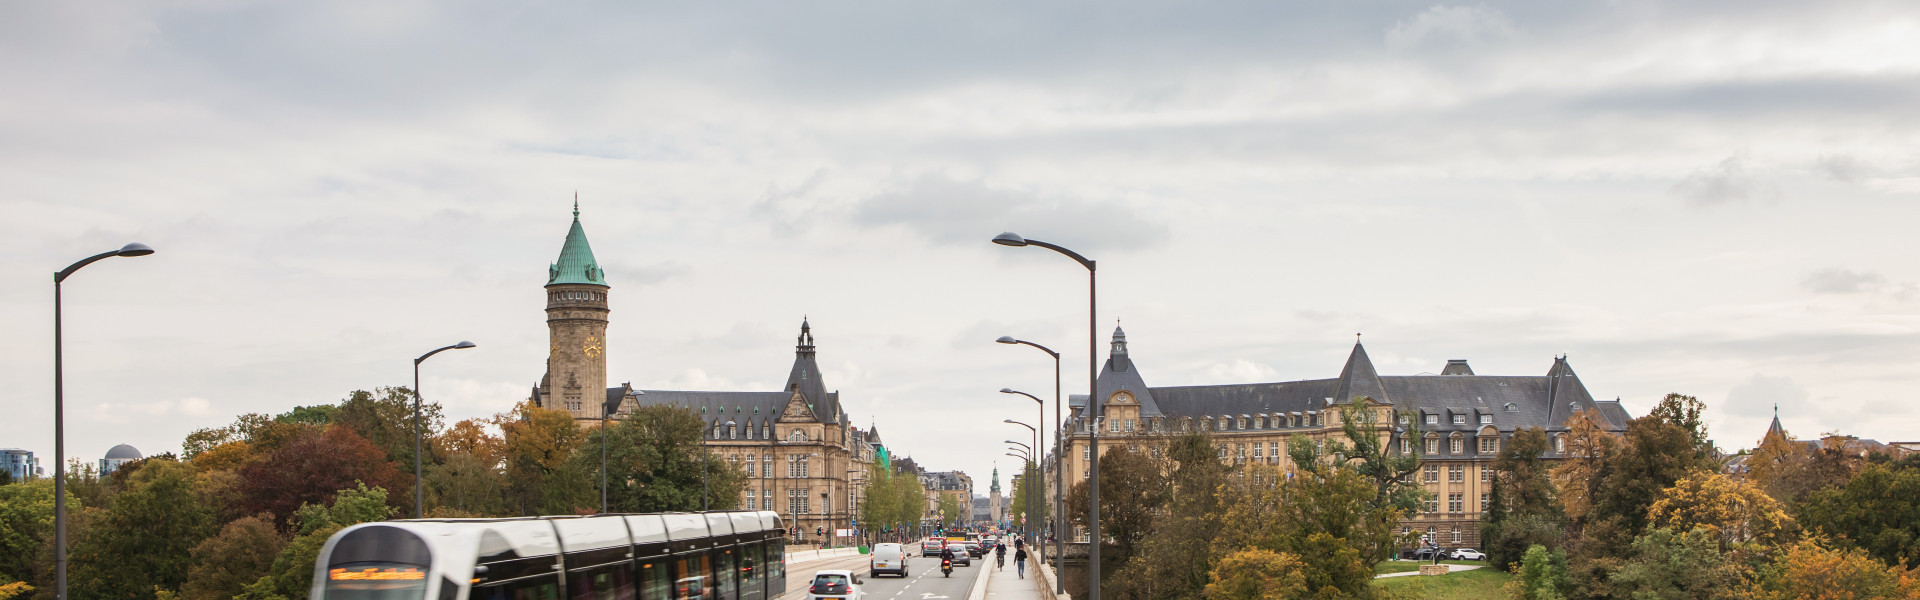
(797, 435)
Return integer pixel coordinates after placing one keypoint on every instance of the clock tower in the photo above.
(576, 379)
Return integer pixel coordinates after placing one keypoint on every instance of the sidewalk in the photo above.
(1450, 569)
(1007, 584)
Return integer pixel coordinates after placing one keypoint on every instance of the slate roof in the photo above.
(753, 409)
(1513, 401)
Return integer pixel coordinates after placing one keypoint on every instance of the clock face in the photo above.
(1122, 398)
(591, 348)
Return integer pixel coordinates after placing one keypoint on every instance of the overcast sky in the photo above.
(1711, 198)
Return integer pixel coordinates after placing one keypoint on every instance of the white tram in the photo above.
(737, 555)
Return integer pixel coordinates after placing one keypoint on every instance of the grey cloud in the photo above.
(791, 210)
(1727, 182)
(949, 211)
(1836, 280)
(1757, 397)
(1842, 167)
(648, 275)
(1439, 24)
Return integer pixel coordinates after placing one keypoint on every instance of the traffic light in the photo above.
(819, 531)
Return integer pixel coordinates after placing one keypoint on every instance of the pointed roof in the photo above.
(996, 480)
(1120, 374)
(1565, 392)
(805, 378)
(1359, 378)
(1775, 429)
(576, 263)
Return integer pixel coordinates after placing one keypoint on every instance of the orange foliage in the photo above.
(1811, 571)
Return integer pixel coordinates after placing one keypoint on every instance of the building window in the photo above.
(1459, 419)
(1433, 446)
(1559, 444)
(1113, 425)
(1223, 451)
(1273, 449)
(1240, 451)
(1240, 423)
(1453, 445)
(1486, 475)
(1403, 420)
(1433, 504)
(1405, 446)
(1483, 502)
(1433, 419)
(1129, 425)
(1433, 473)
(766, 466)
(1086, 453)
(1257, 449)
(1486, 419)
(1456, 474)
(1456, 534)
(750, 499)
(1511, 407)
(797, 502)
(1489, 445)
(753, 467)
(1453, 502)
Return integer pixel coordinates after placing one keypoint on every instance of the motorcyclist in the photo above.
(946, 553)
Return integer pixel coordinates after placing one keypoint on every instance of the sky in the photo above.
(1713, 198)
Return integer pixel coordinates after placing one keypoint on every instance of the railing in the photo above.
(800, 556)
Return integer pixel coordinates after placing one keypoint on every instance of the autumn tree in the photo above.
(1733, 512)
(1668, 564)
(291, 575)
(1177, 556)
(239, 555)
(1582, 468)
(1810, 570)
(657, 461)
(537, 446)
(466, 476)
(1655, 454)
(1133, 489)
(144, 539)
(313, 466)
(1257, 574)
(1878, 511)
(385, 417)
(1325, 516)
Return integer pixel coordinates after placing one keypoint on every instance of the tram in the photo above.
(732, 555)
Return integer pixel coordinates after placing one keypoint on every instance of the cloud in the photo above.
(1841, 167)
(192, 406)
(950, 211)
(648, 275)
(1727, 182)
(1836, 280)
(1757, 397)
(1241, 370)
(1459, 24)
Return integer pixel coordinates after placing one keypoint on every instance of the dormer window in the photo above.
(1511, 407)
(1433, 419)
(1459, 419)
(1486, 419)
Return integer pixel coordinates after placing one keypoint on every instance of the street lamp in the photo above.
(1036, 448)
(1059, 486)
(60, 417)
(419, 493)
(606, 409)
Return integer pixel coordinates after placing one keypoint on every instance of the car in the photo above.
(974, 549)
(1421, 554)
(835, 584)
(887, 558)
(1466, 554)
(960, 556)
(932, 546)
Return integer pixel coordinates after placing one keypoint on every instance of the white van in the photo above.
(887, 558)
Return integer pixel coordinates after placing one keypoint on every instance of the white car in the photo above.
(1468, 554)
(836, 584)
(887, 558)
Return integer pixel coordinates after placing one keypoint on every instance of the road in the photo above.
(923, 580)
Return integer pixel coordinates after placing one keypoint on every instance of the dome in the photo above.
(123, 451)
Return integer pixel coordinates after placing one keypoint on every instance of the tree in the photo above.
(1020, 504)
(26, 525)
(1810, 570)
(385, 417)
(537, 446)
(144, 540)
(1666, 565)
(1177, 556)
(1685, 412)
(1542, 575)
(1733, 512)
(657, 461)
(291, 575)
(1657, 453)
(224, 457)
(239, 555)
(1325, 516)
(1878, 511)
(1582, 470)
(952, 510)
(1132, 491)
(1257, 574)
(313, 466)
(1524, 508)
(319, 414)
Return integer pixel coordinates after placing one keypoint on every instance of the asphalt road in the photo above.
(923, 580)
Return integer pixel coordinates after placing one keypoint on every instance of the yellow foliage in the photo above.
(1736, 511)
(15, 589)
(1257, 574)
(1811, 571)
(1589, 445)
(224, 457)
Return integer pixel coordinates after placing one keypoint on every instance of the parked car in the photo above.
(838, 584)
(1467, 554)
(887, 558)
(932, 546)
(1420, 554)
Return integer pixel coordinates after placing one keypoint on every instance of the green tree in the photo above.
(1657, 453)
(1177, 558)
(1133, 489)
(239, 555)
(1031, 484)
(1878, 511)
(1686, 412)
(953, 511)
(144, 540)
(1523, 506)
(1666, 565)
(657, 461)
(26, 525)
(319, 414)
(1542, 575)
(537, 449)
(384, 416)
(291, 575)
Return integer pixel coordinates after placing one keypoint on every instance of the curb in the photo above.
(979, 590)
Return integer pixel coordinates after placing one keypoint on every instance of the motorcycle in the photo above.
(946, 567)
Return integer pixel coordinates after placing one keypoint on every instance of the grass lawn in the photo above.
(1476, 584)
(1402, 566)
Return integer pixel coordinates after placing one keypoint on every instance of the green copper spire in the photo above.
(576, 264)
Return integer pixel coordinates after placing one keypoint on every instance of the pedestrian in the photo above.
(1020, 561)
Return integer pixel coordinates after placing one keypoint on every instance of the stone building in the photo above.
(801, 453)
(996, 507)
(116, 456)
(1462, 419)
(948, 484)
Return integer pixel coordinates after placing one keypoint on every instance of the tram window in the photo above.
(753, 582)
(654, 582)
(729, 587)
(693, 576)
(609, 582)
(531, 588)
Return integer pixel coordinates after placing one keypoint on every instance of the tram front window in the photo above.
(376, 581)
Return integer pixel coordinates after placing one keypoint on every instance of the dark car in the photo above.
(975, 550)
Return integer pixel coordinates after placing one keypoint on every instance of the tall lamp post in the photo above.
(60, 417)
(1033, 456)
(419, 491)
(607, 409)
(1035, 450)
(1059, 486)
